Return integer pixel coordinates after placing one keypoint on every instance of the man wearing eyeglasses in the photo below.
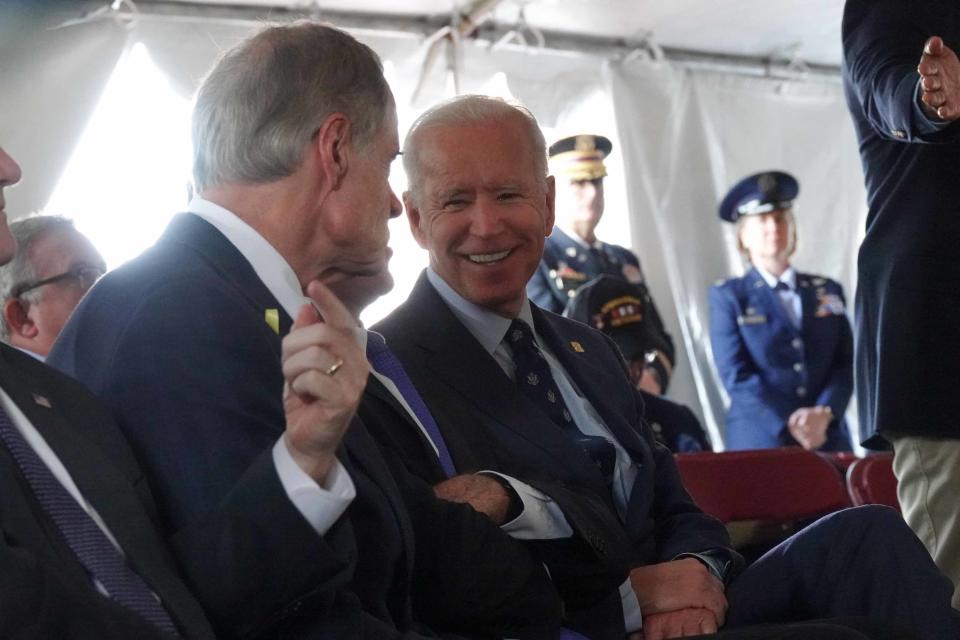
(41, 286)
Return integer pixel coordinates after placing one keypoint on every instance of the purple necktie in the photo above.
(387, 364)
(87, 541)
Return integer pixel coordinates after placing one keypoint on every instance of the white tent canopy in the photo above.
(694, 93)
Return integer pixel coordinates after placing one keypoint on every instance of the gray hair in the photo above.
(265, 98)
(26, 231)
(465, 110)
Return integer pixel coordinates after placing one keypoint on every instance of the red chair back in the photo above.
(841, 459)
(775, 485)
(871, 481)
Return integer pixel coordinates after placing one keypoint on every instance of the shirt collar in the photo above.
(271, 267)
(488, 327)
(32, 353)
(597, 244)
(788, 277)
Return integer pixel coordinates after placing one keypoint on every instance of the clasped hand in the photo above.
(808, 426)
(678, 598)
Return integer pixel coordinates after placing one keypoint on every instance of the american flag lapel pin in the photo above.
(43, 401)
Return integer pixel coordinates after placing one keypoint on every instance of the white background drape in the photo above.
(116, 158)
(687, 137)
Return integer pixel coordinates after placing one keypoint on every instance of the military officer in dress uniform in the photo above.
(618, 308)
(781, 339)
(573, 256)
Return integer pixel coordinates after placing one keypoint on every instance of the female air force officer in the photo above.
(781, 339)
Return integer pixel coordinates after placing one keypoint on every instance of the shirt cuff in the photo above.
(716, 560)
(632, 616)
(321, 505)
(540, 518)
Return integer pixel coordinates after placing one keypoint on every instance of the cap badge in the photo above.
(585, 143)
(767, 183)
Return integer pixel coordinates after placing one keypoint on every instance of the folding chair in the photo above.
(763, 495)
(871, 481)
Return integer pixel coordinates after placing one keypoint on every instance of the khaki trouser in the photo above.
(928, 487)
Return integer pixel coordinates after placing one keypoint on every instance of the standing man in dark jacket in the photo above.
(908, 299)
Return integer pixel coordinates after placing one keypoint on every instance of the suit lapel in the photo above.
(217, 251)
(100, 481)
(376, 389)
(474, 374)
(593, 381)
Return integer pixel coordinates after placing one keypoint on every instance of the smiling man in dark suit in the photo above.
(529, 394)
(228, 358)
(79, 557)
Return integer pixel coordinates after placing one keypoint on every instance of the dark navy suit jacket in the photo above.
(908, 297)
(770, 368)
(44, 590)
(488, 424)
(177, 345)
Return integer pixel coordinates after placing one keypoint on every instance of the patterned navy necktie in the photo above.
(535, 380)
(83, 536)
(387, 364)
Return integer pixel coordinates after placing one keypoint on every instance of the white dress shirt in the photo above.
(322, 506)
(32, 354)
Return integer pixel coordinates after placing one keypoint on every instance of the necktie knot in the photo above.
(782, 286)
(520, 334)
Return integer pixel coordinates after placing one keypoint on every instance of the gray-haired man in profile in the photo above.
(229, 357)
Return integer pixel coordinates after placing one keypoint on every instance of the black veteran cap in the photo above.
(617, 308)
(759, 193)
(580, 157)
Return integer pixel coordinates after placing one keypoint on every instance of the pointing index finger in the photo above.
(329, 307)
(933, 46)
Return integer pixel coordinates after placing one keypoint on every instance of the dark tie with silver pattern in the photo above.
(535, 380)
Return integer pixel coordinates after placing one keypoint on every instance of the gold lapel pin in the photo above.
(576, 346)
(272, 318)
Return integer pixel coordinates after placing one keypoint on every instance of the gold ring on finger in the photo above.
(332, 369)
